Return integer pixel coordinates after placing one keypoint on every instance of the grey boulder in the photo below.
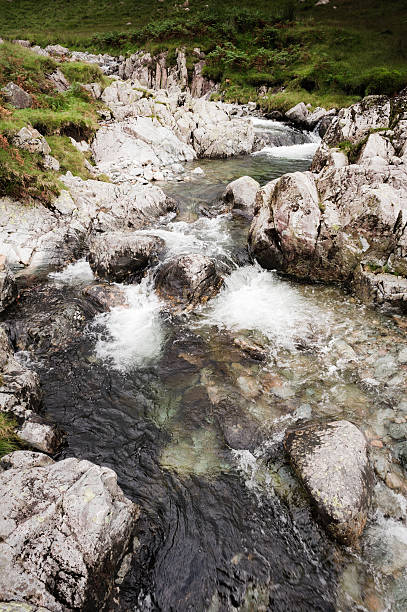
(331, 461)
(65, 529)
(241, 193)
(188, 280)
(119, 256)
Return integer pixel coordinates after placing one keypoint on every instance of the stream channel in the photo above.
(193, 426)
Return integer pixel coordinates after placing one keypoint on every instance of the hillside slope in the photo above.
(330, 55)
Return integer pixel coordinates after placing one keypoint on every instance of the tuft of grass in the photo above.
(68, 156)
(81, 72)
(8, 439)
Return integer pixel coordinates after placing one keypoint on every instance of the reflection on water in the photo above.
(193, 425)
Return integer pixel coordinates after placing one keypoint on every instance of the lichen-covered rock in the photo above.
(188, 280)
(65, 529)
(16, 96)
(8, 287)
(119, 256)
(59, 80)
(356, 122)
(241, 193)
(381, 289)
(331, 460)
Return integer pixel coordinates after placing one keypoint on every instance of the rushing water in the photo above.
(193, 426)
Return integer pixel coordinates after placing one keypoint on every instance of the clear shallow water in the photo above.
(194, 427)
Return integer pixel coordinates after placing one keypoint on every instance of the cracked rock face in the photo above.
(65, 528)
(119, 257)
(331, 460)
(188, 280)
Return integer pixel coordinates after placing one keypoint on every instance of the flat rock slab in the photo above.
(65, 529)
(331, 460)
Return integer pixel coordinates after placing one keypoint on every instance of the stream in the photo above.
(193, 426)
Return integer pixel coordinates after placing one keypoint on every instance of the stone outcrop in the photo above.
(301, 116)
(331, 461)
(188, 280)
(8, 287)
(16, 96)
(66, 529)
(20, 397)
(121, 257)
(346, 220)
(241, 193)
(154, 129)
(38, 237)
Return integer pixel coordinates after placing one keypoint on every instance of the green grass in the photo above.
(324, 55)
(8, 439)
(68, 156)
(55, 115)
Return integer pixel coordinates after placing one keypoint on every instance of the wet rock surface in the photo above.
(122, 257)
(8, 287)
(65, 528)
(332, 462)
(188, 280)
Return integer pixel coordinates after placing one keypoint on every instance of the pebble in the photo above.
(377, 443)
(402, 356)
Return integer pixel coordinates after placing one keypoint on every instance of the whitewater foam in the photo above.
(76, 273)
(297, 151)
(131, 336)
(256, 299)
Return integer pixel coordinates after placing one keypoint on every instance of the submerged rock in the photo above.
(8, 287)
(119, 256)
(331, 460)
(65, 530)
(188, 280)
(241, 193)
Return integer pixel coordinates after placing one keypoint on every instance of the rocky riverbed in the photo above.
(223, 437)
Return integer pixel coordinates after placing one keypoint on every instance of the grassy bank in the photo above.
(322, 55)
(55, 115)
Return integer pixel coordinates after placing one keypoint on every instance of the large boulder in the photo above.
(138, 143)
(347, 218)
(65, 530)
(241, 193)
(16, 96)
(284, 231)
(188, 280)
(118, 256)
(227, 138)
(8, 287)
(331, 461)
